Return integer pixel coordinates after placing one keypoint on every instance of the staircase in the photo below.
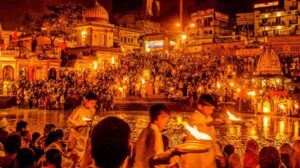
(145, 105)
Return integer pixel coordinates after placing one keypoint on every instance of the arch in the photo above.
(8, 72)
(52, 74)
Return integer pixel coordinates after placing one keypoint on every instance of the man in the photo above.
(21, 126)
(149, 148)
(202, 119)
(110, 143)
(79, 122)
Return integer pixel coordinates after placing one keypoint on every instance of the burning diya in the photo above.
(197, 146)
(233, 119)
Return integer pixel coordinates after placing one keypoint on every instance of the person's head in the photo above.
(229, 149)
(51, 137)
(296, 146)
(25, 158)
(252, 146)
(48, 128)
(90, 100)
(21, 126)
(12, 144)
(110, 142)
(54, 157)
(35, 136)
(206, 104)
(159, 115)
(286, 149)
(60, 134)
(269, 157)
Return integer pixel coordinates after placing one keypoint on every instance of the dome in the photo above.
(96, 13)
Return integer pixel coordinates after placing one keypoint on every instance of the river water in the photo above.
(266, 129)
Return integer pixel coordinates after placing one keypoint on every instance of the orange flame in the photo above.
(86, 119)
(232, 117)
(194, 130)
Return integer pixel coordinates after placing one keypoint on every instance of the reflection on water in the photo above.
(265, 129)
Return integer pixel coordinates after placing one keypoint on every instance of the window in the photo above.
(264, 20)
(265, 33)
(278, 20)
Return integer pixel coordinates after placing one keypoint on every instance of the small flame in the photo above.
(232, 117)
(120, 89)
(231, 84)
(86, 119)
(296, 106)
(281, 106)
(218, 85)
(113, 60)
(252, 93)
(143, 80)
(95, 65)
(194, 130)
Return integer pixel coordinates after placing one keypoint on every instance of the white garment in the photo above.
(148, 145)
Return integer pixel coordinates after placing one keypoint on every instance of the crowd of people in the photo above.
(107, 144)
(179, 76)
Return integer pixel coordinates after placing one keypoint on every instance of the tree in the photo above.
(60, 22)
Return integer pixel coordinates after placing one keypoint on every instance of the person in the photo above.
(234, 161)
(296, 155)
(11, 146)
(149, 148)
(3, 132)
(269, 157)
(53, 158)
(110, 143)
(79, 122)
(25, 158)
(286, 154)
(204, 122)
(21, 126)
(251, 154)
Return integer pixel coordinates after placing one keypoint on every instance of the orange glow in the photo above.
(232, 117)
(281, 106)
(193, 130)
(86, 119)
(251, 93)
(266, 109)
(192, 25)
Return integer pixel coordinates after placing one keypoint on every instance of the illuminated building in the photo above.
(95, 41)
(128, 39)
(208, 26)
(274, 18)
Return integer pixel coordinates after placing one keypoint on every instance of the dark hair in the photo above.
(59, 133)
(110, 142)
(54, 156)
(156, 110)
(12, 144)
(35, 136)
(229, 149)
(269, 157)
(25, 158)
(49, 127)
(207, 99)
(91, 96)
(52, 137)
(20, 125)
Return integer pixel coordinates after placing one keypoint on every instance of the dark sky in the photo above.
(12, 11)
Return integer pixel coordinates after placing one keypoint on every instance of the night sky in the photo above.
(12, 11)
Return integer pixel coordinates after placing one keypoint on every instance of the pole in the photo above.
(180, 12)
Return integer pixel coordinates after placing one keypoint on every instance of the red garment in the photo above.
(250, 159)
